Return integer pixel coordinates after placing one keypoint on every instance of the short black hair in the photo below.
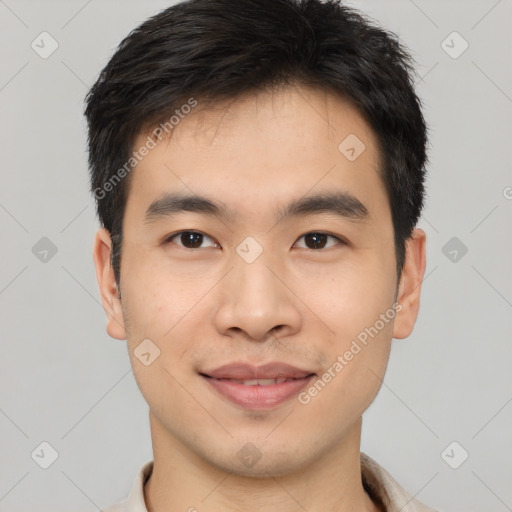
(216, 50)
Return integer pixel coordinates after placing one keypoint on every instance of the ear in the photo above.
(102, 250)
(409, 288)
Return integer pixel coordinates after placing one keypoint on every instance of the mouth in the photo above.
(257, 394)
(260, 382)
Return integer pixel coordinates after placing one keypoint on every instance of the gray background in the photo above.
(64, 381)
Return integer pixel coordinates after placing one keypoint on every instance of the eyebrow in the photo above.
(342, 204)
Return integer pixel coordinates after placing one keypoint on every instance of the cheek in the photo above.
(164, 309)
(156, 297)
(356, 360)
(356, 304)
(349, 297)
(162, 329)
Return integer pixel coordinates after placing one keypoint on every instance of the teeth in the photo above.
(260, 382)
(248, 382)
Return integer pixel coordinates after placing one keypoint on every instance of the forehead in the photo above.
(264, 149)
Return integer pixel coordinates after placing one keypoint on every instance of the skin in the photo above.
(206, 307)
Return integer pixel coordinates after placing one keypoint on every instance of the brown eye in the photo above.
(316, 240)
(190, 239)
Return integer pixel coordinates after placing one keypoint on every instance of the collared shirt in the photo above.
(378, 483)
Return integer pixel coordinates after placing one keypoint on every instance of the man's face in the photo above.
(299, 290)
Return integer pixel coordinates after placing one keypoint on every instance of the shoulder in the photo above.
(135, 499)
(387, 490)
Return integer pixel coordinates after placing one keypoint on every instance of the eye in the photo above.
(190, 239)
(316, 240)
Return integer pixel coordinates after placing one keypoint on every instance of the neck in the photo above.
(183, 481)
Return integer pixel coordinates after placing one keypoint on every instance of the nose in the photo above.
(256, 301)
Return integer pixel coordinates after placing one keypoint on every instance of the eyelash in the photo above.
(178, 233)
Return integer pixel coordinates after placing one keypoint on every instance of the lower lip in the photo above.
(258, 397)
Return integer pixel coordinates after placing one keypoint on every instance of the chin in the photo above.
(251, 462)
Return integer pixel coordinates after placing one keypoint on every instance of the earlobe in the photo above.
(107, 284)
(409, 289)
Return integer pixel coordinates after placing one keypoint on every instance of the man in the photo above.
(259, 171)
